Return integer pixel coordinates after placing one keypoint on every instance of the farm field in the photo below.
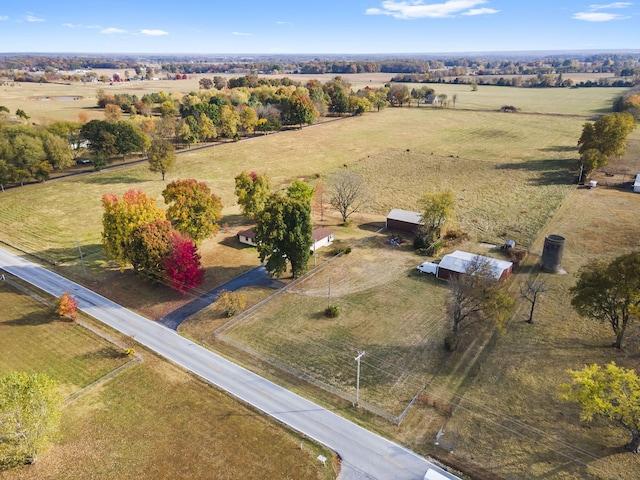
(514, 178)
(46, 102)
(142, 421)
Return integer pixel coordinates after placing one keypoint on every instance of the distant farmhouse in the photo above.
(322, 237)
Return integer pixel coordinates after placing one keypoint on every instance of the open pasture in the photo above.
(512, 420)
(34, 339)
(141, 421)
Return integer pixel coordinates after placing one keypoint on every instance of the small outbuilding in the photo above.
(458, 262)
(636, 184)
(248, 237)
(404, 220)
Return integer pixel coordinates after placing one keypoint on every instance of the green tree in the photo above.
(229, 119)
(161, 156)
(30, 410)
(300, 190)
(252, 190)
(207, 128)
(284, 233)
(607, 135)
(70, 132)
(609, 293)
(348, 193)
(120, 217)
(248, 119)
(58, 151)
(438, 209)
(610, 392)
(301, 109)
(6, 173)
(149, 245)
(193, 209)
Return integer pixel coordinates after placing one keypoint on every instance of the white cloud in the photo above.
(595, 15)
(610, 5)
(480, 11)
(3, 18)
(33, 18)
(112, 30)
(153, 33)
(284, 23)
(419, 9)
(79, 25)
(240, 33)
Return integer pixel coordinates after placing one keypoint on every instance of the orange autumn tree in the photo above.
(67, 306)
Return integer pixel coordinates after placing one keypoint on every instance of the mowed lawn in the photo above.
(151, 420)
(34, 339)
(393, 314)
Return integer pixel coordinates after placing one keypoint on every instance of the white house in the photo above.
(636, 185)
(322, 237)
(248, 237)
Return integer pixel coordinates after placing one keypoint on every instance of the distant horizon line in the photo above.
(584, 51)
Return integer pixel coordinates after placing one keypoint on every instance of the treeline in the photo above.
(623, 65)
(538, 81)
(30, 152)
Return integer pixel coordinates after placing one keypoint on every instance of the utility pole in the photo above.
(357, 359)
(84, 269)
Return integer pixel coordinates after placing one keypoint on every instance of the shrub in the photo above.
(232, 303)
(67, 306)
(129, 352)
(332, 311)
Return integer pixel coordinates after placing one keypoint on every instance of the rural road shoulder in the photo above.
(364, 454)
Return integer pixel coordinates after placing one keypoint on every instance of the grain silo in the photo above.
(552, 253)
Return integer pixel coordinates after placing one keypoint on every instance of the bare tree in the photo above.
(474, 296)
(348, 193)
(530, 291)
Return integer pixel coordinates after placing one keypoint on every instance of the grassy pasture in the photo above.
(150, 421)
(33, 339)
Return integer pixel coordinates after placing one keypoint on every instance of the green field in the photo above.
(34, 339)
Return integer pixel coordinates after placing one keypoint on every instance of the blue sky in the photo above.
(309, 26)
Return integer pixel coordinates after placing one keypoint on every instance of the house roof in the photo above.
(249, 233)
(459, 261)
(320, 233)
(405, 216)
(637, 182)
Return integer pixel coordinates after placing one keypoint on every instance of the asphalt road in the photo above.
(364, 454)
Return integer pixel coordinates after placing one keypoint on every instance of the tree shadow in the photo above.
(372, 226)
(32, 319)
(560, 149)
(105, 353)
(108, 180)
(547, 172)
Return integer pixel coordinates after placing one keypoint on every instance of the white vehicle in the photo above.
(434, 475)
(428, 267)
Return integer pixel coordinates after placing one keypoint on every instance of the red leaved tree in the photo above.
(182, 264)
(67, 306)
